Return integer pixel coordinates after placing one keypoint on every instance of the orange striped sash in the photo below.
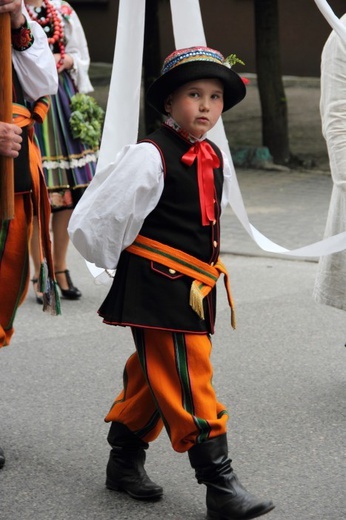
(23, 117)
(203, 274)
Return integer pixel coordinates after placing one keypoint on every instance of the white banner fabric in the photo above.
(122, 113)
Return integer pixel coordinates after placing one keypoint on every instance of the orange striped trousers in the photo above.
(168, 382)
(14, 264)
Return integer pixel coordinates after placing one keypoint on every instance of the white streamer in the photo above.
(331, 18)
(122, 114)
(183, 36)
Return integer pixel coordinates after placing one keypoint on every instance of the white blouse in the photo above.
(35, 67)
(77, 47)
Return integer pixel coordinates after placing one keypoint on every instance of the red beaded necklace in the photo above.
(54, 20)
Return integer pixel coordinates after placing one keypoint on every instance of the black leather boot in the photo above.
(2, 458)
(125, 468)
(227, 499)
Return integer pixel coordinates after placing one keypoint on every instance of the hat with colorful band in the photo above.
(193, 63)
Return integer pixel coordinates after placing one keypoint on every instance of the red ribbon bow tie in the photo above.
(207, 160)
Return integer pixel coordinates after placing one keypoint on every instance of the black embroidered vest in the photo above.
(148, 294)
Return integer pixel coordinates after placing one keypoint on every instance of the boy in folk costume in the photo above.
(154, 215)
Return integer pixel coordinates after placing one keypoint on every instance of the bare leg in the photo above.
(60, 220)
(35, 256)
(35, 249)
(2, 458)
(61, 239)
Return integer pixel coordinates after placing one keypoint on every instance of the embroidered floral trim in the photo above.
(22, 38)
(73, 163)
(181, 56)
(66, 10)
(174, 125)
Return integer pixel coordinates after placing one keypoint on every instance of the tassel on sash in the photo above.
(204, 275)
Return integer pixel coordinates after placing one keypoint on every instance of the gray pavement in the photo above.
(288, 207)
(281, 373)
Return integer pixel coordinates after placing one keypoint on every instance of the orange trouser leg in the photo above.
(135, 406)
(14, 266)
(170, 373)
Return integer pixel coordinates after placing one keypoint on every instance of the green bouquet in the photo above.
(86, 119)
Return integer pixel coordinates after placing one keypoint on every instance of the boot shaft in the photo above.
(210, 459)
(226, 497)
(125, 468)
(121, 436)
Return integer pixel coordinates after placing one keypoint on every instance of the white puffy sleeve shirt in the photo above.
(35, 67)
(111, 212)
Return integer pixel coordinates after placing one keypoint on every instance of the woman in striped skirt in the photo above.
(69, 163)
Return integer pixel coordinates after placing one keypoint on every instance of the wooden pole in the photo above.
(6, 163)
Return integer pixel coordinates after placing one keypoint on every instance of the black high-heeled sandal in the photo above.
(2, 458)
(72, 293)
(39, 299)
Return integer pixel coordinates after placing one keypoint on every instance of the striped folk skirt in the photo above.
(69, 164)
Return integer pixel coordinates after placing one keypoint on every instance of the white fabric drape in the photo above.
(122, 114)
(330, 287)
